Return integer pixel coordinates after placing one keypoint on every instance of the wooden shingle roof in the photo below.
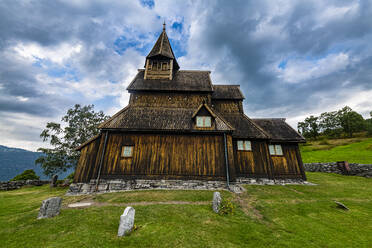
(279, 130)
(227, 92)
(244, 126)
(163, 48)
(182, 81)
(161, 119)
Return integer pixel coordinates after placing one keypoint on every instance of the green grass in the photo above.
(355, 150)
(266, 216)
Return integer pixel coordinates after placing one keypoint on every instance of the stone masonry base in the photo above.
(117, 185)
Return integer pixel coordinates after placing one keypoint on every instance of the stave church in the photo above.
(179, 125)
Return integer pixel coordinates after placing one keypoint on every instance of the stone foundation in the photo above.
(117, 185)
(363, 170)
(11, 185)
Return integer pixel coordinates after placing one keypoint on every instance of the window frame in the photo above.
(245, 146)
(203, 121)
(122, 154)
(276, 150)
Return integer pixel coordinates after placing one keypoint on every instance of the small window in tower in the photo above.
(127, 151)
(203, 121)
(165, 66)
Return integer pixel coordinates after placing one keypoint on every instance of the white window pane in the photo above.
(127, 151)
(271, 150)
(199, 121)
(240, 145)
(248, 145)
(207, 121)
(278, 149)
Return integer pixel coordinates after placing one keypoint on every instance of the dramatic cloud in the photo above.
(291, 58)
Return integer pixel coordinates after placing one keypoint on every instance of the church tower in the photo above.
(161, 62)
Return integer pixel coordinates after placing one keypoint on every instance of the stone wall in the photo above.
(18, 184)
(363, 170)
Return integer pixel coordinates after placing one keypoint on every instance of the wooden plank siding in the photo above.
(252, 163)
(289, 165)
(89, 155)
(163, 156)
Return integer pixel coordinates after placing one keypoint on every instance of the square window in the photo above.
(244, 145)
(127, 151)
(203, 121)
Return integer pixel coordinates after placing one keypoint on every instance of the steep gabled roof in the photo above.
(244, 127)
(279, 130)
(134, 118)
(163, 47)
(227, 92)
(182, 81)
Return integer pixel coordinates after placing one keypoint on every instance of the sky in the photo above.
(291, 58)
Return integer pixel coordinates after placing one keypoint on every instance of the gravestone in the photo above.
(216, 203)
(50, 207)
(126, 221)
(53, 183)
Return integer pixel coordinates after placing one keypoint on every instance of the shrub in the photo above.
(26, 175)
(324, 141)
(227, 207)
(71, 176)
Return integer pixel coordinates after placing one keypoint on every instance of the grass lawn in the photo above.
(265, 216)
(355, 150)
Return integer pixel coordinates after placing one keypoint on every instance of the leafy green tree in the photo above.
(351, 121)
(310, 127)
(369, 125)
(26, 175)
(79, 125)
(330, 125)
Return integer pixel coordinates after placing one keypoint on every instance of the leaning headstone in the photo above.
(50, 207)
(126, 221)
(53, 183)
(341, 205)
(216, 203)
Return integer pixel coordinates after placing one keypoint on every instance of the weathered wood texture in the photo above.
(165, 156)
(173, 100)
(252, 163)
(228, 106)
(89, 157)
(288, 165)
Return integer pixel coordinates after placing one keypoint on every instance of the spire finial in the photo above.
(164, 26)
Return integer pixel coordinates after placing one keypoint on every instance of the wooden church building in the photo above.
(179, 125)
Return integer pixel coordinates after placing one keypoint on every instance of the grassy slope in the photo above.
(266, 216)
(352, 150)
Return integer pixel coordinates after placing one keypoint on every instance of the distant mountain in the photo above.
(14, 161)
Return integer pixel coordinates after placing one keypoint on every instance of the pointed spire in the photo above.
(163, 47)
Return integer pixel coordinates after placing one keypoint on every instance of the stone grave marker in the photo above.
(126, 221)
(216, 203)
(50, 207)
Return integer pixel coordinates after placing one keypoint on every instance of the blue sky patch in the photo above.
(148, 3)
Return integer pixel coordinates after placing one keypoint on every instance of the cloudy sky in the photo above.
(291, 58)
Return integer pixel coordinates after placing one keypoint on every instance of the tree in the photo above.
(26, 175)
(351, 121)
(330, 125)
(79, 125)
(309, 128)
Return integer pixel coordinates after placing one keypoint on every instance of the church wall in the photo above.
(164, 156)
(253, 163)
(171, 100)
(290, 164)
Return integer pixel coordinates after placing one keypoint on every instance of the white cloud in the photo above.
(299, 70)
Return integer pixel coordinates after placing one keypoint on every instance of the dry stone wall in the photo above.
(363, 170)
(18, 184)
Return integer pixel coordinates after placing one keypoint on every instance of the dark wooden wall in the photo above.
(165, 156)
(88, 161)
(253, 163)
(289, 165)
